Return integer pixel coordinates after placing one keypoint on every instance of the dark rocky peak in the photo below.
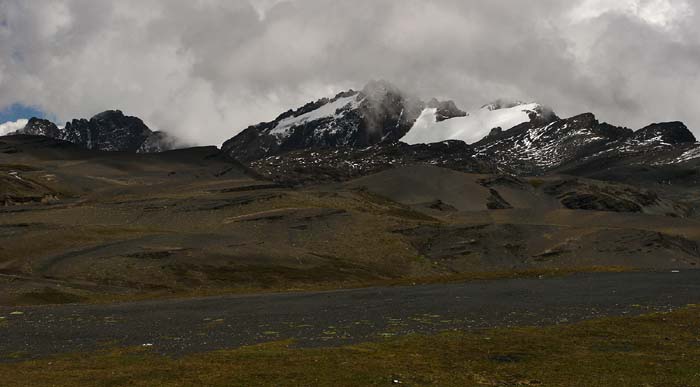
(40, 127)
(107, 131)
(116, 117)
(445, 109)
(667, 132)
(110, 115)
(115, 120)
(587, 123)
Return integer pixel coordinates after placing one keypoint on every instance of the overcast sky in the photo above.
(205, 69)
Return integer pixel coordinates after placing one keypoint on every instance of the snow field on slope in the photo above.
(469, 129)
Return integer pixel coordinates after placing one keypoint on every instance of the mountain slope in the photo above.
(345, 163)
(108, 131)
(540, 145)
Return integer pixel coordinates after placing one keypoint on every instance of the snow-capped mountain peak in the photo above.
(379, 113)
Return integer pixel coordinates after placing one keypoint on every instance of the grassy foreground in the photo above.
(653, 350)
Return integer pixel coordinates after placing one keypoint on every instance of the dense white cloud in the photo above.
(11, 126)
(205, 69)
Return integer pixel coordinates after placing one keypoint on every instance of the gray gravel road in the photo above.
(339, 317)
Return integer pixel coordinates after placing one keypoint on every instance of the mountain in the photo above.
(378, 114)
(357, 133)
(108, 131)
(541, 146)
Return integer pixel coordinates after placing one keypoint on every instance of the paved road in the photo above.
(339, 317)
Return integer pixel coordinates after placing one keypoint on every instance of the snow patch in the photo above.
(469, 129)
(329, 110)
(688, 155)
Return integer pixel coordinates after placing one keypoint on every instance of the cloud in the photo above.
(11, 126)
(660, 13)
(205, 69)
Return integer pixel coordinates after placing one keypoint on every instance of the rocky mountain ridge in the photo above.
(539, 147)
(334, 134)
(107, 131)
(356, 133)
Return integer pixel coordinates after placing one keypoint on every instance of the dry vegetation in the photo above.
(660, 350)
